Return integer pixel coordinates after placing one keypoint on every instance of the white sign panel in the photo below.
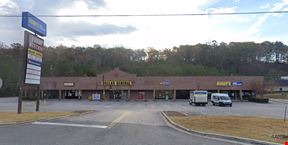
(96, 97)
(34, 53)
(68, 84)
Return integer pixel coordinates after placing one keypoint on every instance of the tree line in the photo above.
(267, 59)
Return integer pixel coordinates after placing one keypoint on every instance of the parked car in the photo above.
(221, 99)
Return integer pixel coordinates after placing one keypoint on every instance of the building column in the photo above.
(154, 94)
(104, 94)
(128, 94)
(41, 94)
(60, 94)
(218, 91)
(241, 95)
(80, 94)
(174, 95)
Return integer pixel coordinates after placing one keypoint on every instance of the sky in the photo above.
(144, 32)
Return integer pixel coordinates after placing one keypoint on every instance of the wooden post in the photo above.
(20, 100)
(38, 99)
(285, 112)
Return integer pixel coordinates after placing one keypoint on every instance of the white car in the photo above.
(221, 99)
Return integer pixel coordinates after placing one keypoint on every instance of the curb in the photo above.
(46, 119)
(278, 101)
(219, 136)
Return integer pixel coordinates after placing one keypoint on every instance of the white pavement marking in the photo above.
(118, 119)
(67, 124)
(108, 106)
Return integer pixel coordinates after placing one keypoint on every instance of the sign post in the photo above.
(33, 54)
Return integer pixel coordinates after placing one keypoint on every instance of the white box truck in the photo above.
(198, 98)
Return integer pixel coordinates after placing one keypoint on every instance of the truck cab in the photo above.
(221, 99)
(198, 98)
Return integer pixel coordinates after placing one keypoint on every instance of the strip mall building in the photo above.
(117, 84)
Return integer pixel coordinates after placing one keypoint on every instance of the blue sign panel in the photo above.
(166, 83)
(200, 92)
(33, 24)
(237, 83)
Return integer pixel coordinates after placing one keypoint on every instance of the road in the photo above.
(104, 127)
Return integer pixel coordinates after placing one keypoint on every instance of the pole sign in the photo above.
(33, 46)
(33, 24)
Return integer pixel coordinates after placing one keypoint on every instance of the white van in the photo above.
(198, 98)
(221, 99)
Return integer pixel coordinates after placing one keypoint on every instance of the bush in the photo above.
(29, 98)
(258, 100)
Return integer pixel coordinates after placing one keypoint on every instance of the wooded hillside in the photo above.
(269, 59)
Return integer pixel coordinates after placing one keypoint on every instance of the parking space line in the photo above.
(68, 124)
(118, 119)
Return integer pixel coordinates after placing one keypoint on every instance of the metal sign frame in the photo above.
(33, 53)
(32, 56)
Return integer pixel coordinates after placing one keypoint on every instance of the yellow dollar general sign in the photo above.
(116, 83)
(223, 84)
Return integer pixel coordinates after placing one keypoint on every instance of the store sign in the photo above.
(223, 83)
(165, 83)
(237, 83)
(116, 83)
(69, 84)
(33, 47)
(33, 24)
(226, 83)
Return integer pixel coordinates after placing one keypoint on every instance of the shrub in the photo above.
(29, 98)
(258, 100)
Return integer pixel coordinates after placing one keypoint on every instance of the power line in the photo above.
(157, 15)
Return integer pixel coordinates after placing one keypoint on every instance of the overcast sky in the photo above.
(143, 32)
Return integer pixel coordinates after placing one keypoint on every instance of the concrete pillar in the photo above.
(41, 94)
(174, 95)
(241, 95)
(154, 94)
(80, 94)
(60, 94)
(128, 95)
(218, 91)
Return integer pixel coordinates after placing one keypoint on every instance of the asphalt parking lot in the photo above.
(272, 109)
(121, 123)
(113, 123)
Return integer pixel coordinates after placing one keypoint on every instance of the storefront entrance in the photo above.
(118, 95)
(182, 94)
(71, 94)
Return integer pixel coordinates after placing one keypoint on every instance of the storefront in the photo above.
(119, 85)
